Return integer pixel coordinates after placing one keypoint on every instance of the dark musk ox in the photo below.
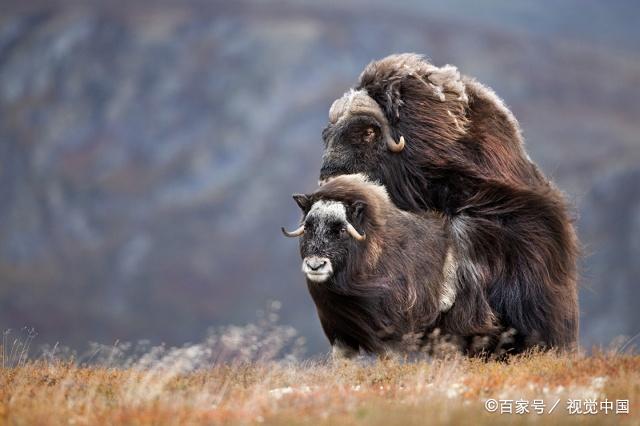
(440, 141)
(383, 279)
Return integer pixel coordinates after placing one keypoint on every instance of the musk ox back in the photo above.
(440, 141)
(383, 279)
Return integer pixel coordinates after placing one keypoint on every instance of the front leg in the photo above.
(341, 351)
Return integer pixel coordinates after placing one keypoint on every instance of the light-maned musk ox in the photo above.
(371, 291)
(441, 141)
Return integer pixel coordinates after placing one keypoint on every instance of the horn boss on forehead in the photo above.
(359, 103)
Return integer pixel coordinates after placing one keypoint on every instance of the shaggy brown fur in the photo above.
(383, 297)
(464, 156)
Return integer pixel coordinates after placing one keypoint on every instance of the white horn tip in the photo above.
(396, 147)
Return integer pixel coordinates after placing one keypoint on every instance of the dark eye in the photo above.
(343, 232)
(368, 135)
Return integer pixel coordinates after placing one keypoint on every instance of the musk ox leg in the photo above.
(340, 350)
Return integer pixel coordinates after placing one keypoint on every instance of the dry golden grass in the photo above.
(450, 390)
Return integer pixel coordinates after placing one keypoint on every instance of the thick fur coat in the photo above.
(382, 296)
(464, 157)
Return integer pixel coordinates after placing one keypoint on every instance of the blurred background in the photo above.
(149, 150)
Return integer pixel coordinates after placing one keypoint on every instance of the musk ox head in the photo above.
(357, 136)
(342, 228)
(328, 235)
(402, 105)
(424, 132)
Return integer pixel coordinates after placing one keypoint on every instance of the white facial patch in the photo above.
(328, 211)
(448, 291)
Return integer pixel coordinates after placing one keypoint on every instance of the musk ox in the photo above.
(381, 278)
(440, 141)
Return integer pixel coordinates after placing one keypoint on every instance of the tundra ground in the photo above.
(449, 390)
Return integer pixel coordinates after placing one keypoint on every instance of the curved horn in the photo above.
(295, 233)
(393, 146)
(352, 231)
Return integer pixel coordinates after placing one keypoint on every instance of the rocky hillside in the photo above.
(148, 151)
